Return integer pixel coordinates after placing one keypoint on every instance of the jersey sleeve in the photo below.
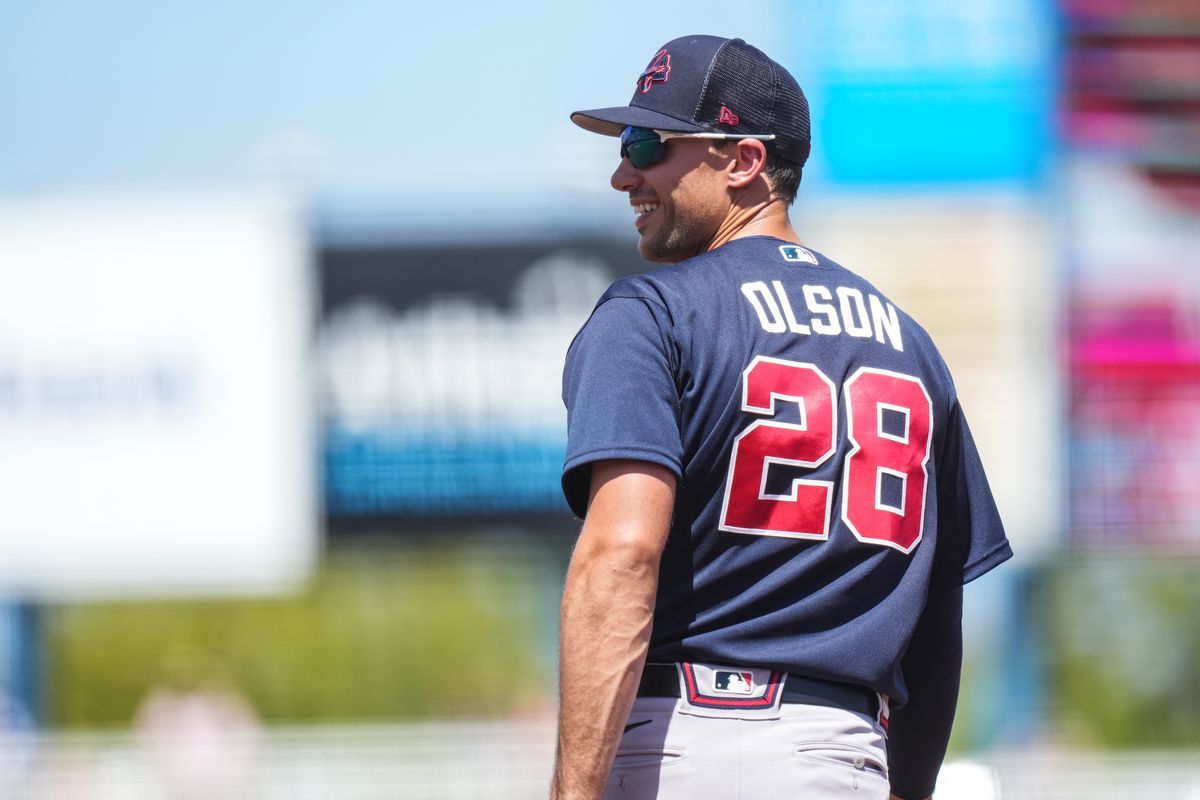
(971, 535)
(620, 392)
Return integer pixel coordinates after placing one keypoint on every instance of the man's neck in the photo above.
(769, 218)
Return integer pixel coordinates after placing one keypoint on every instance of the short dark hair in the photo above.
(783, 174)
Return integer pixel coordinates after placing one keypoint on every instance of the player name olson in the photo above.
(830, 313)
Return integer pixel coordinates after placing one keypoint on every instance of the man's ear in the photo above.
(750, 159)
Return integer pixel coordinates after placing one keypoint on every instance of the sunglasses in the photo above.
(645, 147)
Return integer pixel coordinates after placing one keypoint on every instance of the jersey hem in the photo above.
(998, 555)
(632, 453)
(576, 491)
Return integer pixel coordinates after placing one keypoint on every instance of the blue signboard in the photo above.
(440, 372)
(937, 92)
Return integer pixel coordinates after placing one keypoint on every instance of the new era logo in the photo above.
(727, 117)
(797, 254)
(733, 682)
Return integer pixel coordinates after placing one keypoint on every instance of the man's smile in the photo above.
(643, 209)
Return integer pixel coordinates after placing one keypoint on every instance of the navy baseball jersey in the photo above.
(826, 474)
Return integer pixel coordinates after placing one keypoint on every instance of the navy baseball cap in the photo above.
(707, 84)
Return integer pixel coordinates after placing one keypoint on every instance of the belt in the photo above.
(662, 680)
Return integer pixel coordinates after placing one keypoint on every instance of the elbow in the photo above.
(624, 551)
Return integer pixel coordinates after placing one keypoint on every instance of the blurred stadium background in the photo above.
(284, 295)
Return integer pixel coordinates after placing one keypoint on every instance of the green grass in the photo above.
(1124, 643)
(465, 628)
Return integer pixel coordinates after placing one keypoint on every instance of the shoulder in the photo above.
(632, 306)
(662, 284)
(648, 296)
(633, 287)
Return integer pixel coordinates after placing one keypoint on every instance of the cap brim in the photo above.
(611, 121)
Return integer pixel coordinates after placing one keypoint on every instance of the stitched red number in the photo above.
(889, 423)
(889, 426)
(803, 512)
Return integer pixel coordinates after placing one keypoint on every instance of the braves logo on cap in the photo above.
(657, 71)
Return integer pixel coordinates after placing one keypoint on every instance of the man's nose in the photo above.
(625, 176)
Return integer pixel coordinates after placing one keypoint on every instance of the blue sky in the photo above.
(424, 107)
(369, 101)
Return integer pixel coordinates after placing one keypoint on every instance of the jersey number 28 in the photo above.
(889, 423)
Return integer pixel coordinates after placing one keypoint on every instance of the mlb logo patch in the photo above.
(796, 254)
(729, 690)
(729, 682)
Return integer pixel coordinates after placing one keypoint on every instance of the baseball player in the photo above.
(781, 496)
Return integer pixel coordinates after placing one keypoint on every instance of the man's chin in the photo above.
(656, 252)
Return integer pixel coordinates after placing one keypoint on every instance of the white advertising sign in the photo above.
(155, 411)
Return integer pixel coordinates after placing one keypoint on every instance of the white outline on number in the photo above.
(769, 460)
(880, 408)
(846, 391)
(879, 504)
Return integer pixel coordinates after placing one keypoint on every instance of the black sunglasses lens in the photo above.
(642, 147)
(646, 153)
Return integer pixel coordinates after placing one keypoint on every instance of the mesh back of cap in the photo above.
(791, 105)
(763, 95)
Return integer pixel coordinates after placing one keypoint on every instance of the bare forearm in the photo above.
(607, 609)
(607, 616)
